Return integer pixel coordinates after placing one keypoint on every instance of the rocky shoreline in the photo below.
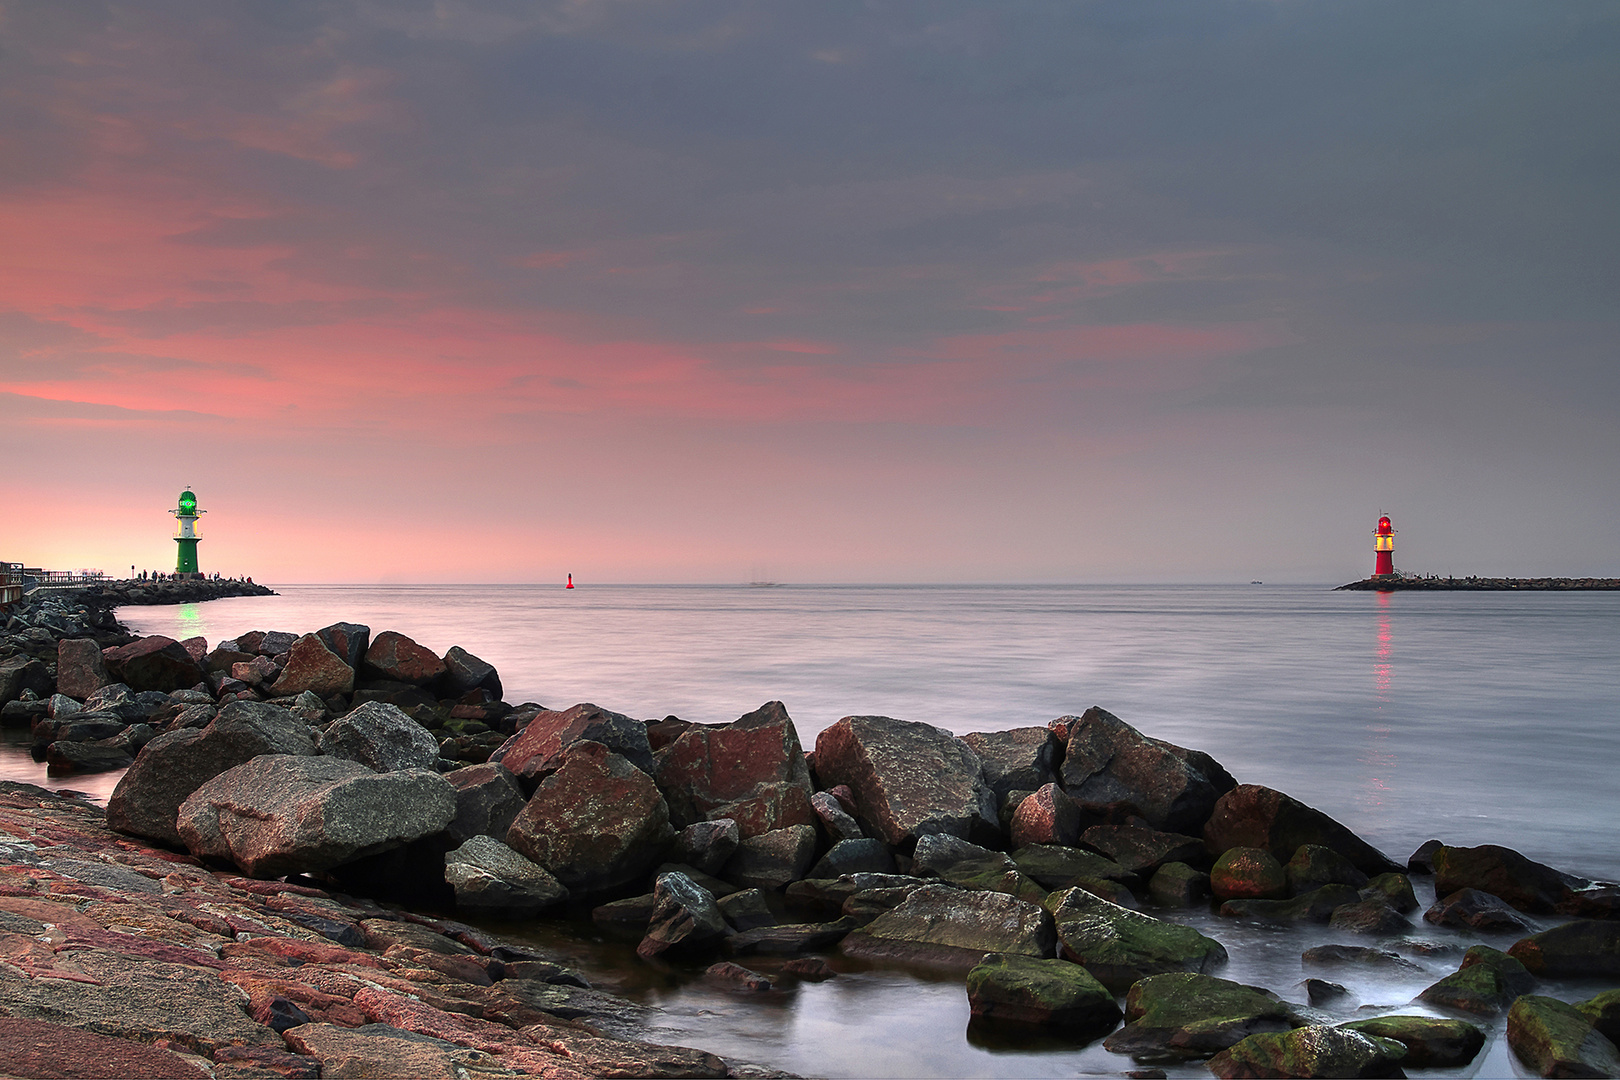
(245, 898)
(1399, 583)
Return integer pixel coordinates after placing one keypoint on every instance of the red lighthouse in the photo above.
(1384, 547)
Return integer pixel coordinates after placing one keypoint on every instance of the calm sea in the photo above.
(1471, 717)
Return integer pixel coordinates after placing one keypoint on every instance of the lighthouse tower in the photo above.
(1384, 547)
(185, 534)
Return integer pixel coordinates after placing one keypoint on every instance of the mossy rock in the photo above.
(1310, 1052)
(1178, 885)
(1315, 906)
(1030, 992)
(1431, 1042)
(1604, 1012)
(1187, 1015)
(1393, 889)
(1248, 873)
(1055, 867)
(1314, 866)
(1487, 982)
(1553, 1038)
(1120, 946)
(1583, 949)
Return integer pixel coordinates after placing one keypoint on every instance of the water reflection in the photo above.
(1377, 756)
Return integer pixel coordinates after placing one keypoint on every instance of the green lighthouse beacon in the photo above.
(185, 534)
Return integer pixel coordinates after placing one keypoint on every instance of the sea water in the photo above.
(1469, 717)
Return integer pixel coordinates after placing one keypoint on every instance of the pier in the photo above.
(1400, 582)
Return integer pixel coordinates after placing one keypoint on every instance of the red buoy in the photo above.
(1384, 547)
(570, 581)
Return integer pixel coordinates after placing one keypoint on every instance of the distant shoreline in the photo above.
(1392, 583)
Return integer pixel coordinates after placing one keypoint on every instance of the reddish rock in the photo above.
(263, 1059)
(1046, 817)
(1245, 873)
(539, 748)
(1021, 759)
(259, 671)
(1107, 762)
(751, 770)
(1253, 816)
(396, 657)
(197, 647)
(154, 663)
(80, 670)
(312, 665)
(738, 976)
(343, 1052)
(908, 779)
(1504, 873)
(1141, 850)
(596, 823)
(35, 1048)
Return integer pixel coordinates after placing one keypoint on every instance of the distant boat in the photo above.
(764, 584)
(1256, 583)
(570, 584)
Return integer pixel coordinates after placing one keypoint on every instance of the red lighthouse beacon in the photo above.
(1384, 547)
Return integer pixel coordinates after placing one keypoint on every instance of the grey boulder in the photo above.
(381, 737)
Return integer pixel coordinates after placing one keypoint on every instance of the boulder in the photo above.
(685, 919)
(464, 672)
(397, 658)
(1246, 873)
(1313, 866)
(1031, 992)
(153, 663)
(1431, 1042)
(1316, 906)
(1141, 850)
(381, 737)
(1052, 866)
(1552, 1038)
(1486, 983)
(839, 824)
(491, 879)
(1394, 890)
(1177, 885)
(1371, 915)
(80, 670)
(864, 856)
(1253, 816)
(1583, 949)
(1502, 872)
(1480, 910)
(1604, 1012)
(789, 939)
(98, 755)
(1022, 759)
(313, 666)
(908, 780)
(540, 747)
(1312, 1051)
(279, 814)
(275, 642)
(40, 1048)
(751, 770)
(748, 909)
(21, 673)
(172, 766)
(596, 823)
(708, 844)
(1046, 817)
(969, 866)
(260, 672)
(1107, 762)
(946, 926)
(1355, 956)
(738, 977)
(488, 800)
(1187, 1015)
(348, 641)
(772, 859)
(1119, 946)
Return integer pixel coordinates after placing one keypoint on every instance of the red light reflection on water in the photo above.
(1378, 759)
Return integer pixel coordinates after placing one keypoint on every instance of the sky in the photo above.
(715, 291)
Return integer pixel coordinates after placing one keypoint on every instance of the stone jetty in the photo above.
(1431, 583)
(249, 903)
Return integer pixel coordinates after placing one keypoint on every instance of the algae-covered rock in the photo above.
(1373, 915)
(941, 924)
(1604, 1012)
(1583, 949)
(1394, 889)
(1313, 866)
(1246, 873)
(1315, 906)
(1480, 910)
(1119, 946)
(1142, 851)
(1524, 883)
(1311, 1052)
(1040, 993)
(1178, 885)
(1055, 867)
(1431, 1042)
(1553, 1038)
(1486, 983)
(1189, 1015)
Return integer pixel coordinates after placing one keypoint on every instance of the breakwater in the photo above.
(768, 868)
(1395, 583)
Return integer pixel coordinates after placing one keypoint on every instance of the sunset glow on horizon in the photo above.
(466, 291)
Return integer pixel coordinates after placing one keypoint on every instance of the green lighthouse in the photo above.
(185, 534)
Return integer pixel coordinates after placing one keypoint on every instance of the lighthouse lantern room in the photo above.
(185, 535)
(1384, 547)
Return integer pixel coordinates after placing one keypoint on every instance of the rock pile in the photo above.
(1046, 865)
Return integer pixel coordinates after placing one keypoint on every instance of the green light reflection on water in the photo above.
(189, 622)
